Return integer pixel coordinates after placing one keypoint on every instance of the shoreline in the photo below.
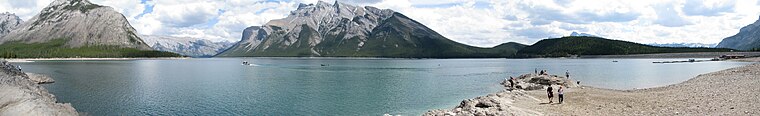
(675, 55)
(731, 91)
(22, 94)
(16, 60)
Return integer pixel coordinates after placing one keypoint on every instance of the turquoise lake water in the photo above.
(300, 86)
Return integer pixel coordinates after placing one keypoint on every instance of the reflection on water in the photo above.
(297, 86)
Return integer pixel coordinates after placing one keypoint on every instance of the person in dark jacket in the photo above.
(550, 93)
(560, 94)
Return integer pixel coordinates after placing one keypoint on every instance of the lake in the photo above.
(345, 86)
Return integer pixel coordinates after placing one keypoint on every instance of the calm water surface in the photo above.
(300, 86)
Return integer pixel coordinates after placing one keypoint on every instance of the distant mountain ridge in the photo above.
(342, 30)
(747, 38)
(187, 46)
(582, 45)
(576, 34)
(690, 45)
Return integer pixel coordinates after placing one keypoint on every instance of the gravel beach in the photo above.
(734, 91)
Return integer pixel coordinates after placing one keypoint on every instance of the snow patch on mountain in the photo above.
(194, 47)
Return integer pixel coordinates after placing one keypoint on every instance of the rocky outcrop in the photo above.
(22, 96)
(81, 23)
(193, 47)
(8, 22)
(342, 30)
(747, 38)
(502, 103)
(252, 37)
(40, 78)
(499, 104)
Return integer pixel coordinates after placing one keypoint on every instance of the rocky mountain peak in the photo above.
(340, 29)
(81, 23)
(8, 22)
(750, 27)
(582, 34)
(72, 5)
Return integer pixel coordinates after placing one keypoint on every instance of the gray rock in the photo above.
(40, 78)
(491, 105)
(23, 97)
(530, 82)
(8, 22)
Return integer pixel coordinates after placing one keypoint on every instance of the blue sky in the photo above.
(482, 23)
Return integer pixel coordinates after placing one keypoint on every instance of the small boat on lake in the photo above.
(246, 63)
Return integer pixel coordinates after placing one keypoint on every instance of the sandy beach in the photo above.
(734, 91)
(75, 59)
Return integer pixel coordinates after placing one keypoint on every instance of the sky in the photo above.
(483, 23)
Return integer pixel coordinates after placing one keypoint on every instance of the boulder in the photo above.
(498, 104)
(40, 78)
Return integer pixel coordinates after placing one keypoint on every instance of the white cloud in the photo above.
(668, 16)
(482, 23)
(26, 9)
(708, 7)
(130, 8)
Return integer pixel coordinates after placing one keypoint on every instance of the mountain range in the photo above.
(342, 30)
(689, 45)
(747, 38)
(193, 47)
(585, 45)
(76, 28)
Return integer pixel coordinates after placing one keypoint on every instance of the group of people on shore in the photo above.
(550, 89)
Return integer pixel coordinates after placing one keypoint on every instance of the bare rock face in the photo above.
(252, 37)
(499, 104)
(81, 22)
(309, 26)
(8, 22)
(23, 97)
(536, 82)
(40, 78)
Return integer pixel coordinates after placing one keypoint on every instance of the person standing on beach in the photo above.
(567, 74)
(535, 70)
(561, 93)
(550, 93)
